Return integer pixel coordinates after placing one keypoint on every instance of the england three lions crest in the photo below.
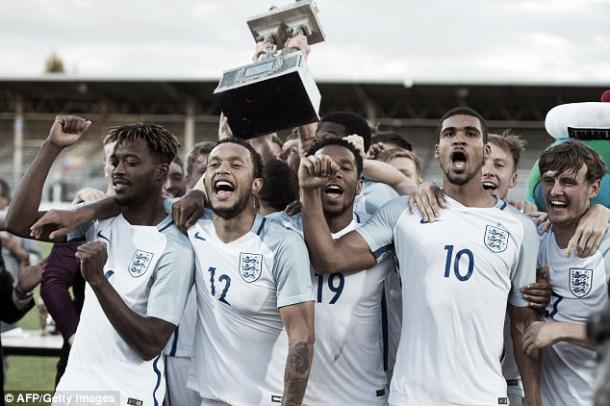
(250, 266)
(496, 239)
(139, 263)
(580, 281)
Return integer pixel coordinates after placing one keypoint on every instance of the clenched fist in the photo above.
(316, 170)
(92, 257)
(67, 130)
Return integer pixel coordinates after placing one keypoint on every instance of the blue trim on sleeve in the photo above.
(103, 237)
(260, 228)
(379, 252)
(165, 227)
(503, 206)
(175, 343)
(555, 305)
(158, 373)
(357, 218)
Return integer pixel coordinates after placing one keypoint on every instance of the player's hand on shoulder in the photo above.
(316, 170)
(589, 232)
(428, 199)
(188, 210)
(65, 221)
(67, 130)
(92, 257)
(524, 206)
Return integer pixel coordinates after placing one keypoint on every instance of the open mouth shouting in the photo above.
(458, 160)
(489, 185)
(223, 189)
(557, 204)
(333, 191)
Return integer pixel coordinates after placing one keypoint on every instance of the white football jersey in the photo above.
(240, 341)
(457, 274)
(372, 197)
(151, 268)
(580, 288)
(351, 346)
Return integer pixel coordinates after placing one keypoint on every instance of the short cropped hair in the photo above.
(353, 123)
(342, 143)
(280, 185)
(389, 154)
(569, 157)
(201, 148)
(393, 138)
(512, 143)
(257, 161)
(159, 140)
(465, 111)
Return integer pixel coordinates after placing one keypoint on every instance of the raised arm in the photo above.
(349, 253)
(298, 321)
(23, 211)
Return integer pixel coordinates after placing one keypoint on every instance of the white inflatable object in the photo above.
(587, 115)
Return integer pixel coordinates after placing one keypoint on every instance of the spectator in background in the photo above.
(276, 145)
(15, 301)
(197, 162)
(16, 251)
(175, 184)
(405, 161)
(387, 140)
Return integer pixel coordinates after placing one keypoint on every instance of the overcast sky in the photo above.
(508, 41)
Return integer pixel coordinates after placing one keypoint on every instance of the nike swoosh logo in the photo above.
(103, 237)
(422, 221)
(198, 236)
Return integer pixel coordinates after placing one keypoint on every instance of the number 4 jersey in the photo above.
(457, 274)
(240, 342)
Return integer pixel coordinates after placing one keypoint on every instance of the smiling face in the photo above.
(567, 195)
(340, 191)
(229, 180)
(499, 172)
(461, 150)
(136, 174)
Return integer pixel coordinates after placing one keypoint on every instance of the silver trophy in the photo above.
(278, 91)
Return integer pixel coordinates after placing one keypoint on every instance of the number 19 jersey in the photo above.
(457, 274)
(240, 341)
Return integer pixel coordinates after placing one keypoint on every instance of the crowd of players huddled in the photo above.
(318, 270)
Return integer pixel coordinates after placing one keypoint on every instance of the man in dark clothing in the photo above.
(15, 301)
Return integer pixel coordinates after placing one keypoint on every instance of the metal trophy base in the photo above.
(264, 97)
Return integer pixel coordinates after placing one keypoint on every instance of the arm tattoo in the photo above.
(296, 374)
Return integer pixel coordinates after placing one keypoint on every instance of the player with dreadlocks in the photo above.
(137, 264)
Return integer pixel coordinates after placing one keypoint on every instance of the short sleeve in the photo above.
(376, 195)
(172, 282)
(525, 271)
(167, 205)
(83, 231)
(378, 231)
(291, 270)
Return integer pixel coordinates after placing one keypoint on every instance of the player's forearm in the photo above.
(24, 208)
(307, 137)
(529, 368)
(573, 333)
(142, 334)
(296, 374)
(382, 172)
(317, 234)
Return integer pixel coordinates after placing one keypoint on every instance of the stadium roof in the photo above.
(421, 102)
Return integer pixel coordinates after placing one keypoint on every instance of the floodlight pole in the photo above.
(18, 140)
